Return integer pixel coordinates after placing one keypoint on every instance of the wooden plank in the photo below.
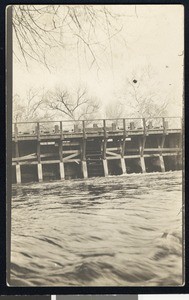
(55, 161)
(131, 156)
(26, 157)
(68, 144)
(71, 151)
(154, 149)
(113, 154)
(113, 149)
(70, 156)
(97, 135)
(113, 157)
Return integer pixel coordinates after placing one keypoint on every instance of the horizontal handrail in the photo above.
(90, 120)
(106, 127)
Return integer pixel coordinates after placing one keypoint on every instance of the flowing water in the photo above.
(114, 231)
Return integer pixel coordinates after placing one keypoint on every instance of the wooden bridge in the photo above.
(80, 149)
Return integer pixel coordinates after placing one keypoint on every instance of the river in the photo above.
(114, 231)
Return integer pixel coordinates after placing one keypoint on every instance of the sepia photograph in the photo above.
(97, 146)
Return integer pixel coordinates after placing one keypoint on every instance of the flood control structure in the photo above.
(45, 151)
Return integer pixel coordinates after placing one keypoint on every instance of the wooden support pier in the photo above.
(66, 149)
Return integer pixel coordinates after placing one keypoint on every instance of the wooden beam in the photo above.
(84, 169)
(84, 130)
(40, 172)
(61, 164)
(123, 166)
(142, 141)
(18, 174)
(39, 166)
(71, 151)
(160, 146)
(112, 153)
(61, 131)
(104, 146)
(70, 156)
(15, 132)
(38, 131)
(105, 167)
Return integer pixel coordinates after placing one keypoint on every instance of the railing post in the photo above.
(105, 164)
(144, 126)
(38, 131)
(39, 165)
(61, 132)
(161, 160)
(141, 151)
(124, 129)
(15, 132)
(84, 130)
(164, 126)
(61, 164)
(83, 158)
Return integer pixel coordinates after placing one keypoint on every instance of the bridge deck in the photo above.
(94, 128)
(78, 135)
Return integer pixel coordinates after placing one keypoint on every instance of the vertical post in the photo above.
(164, 126)
(161, 160)
(84, 130)
(61, 131)
(144, 126)
(123, 165)
(18, 174)
(141, 151)
(84, 168)
(18, 170)
(124, 129)
(83, 153)
(61, 164)
(105, 167)
(162, 165)
(38, 131)
(15, 132)
(39, 165)
(105, 163)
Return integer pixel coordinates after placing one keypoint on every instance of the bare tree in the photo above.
(40, 28)
(75, 105)
(30, 108)
(114, 110)
(142, 95)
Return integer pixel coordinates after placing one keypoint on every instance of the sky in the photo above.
(150, 35)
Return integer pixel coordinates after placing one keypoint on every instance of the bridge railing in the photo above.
(96, 126)
(173, 123)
